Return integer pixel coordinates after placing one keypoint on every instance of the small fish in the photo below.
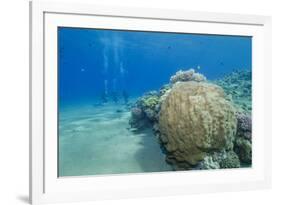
(133, 129)
(82, 70)
(198, 67)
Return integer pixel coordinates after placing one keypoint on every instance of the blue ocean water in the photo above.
(92, 60)
(94, 138)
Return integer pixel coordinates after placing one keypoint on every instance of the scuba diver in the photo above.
(125, 96)
(114, 96)
(104, 97)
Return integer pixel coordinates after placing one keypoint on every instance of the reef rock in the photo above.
(231, 160)
(243, 148)
(138, 119)
(208, 163)
(145, 111)
(219, 160)
(137, 113)
(195, 119)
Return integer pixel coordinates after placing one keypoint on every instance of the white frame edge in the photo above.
(37, 10)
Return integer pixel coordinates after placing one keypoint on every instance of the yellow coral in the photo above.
(150, 101)
(195, 118)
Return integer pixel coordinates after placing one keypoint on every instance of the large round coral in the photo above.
(195, 119)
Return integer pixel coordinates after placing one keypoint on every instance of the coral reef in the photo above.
(164, 89)
(145, 111)
(238, 87)
(187, 75)
(220, 160)
(200, 124)
(195, 119)
(243, 141)
(150, 100)
(148, 103)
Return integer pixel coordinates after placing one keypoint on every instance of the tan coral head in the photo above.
(195, 119)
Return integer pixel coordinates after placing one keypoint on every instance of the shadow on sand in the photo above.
(150, 157)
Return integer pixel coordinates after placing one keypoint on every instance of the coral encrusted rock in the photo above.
(187, 75)
(145, 111)
(195, 119)
(244, 126)
(243, 148)
(231, 160)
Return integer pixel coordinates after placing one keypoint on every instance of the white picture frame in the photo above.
(46, 187)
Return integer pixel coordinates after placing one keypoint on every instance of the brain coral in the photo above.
(196, 119)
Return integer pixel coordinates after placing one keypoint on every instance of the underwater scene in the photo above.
(142, 101)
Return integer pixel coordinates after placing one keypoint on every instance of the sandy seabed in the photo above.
(98, 140)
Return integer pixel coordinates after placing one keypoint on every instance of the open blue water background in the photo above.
(92, 61)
